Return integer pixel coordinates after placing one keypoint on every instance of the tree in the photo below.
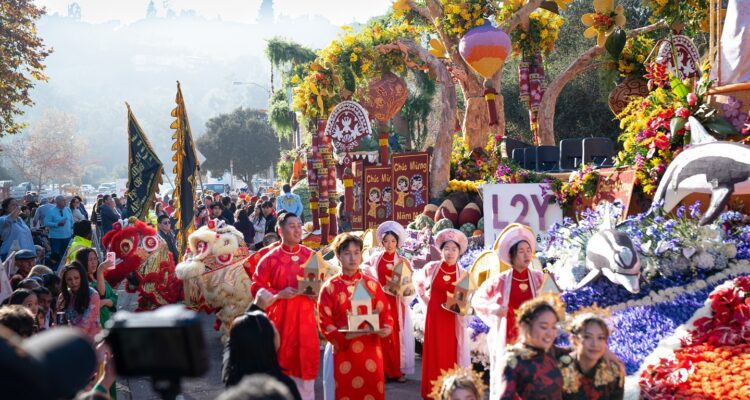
(74, 11)
(265, 13)
(243, 137)
(23, 52)
(50, 151)
(449, 22)
(287, 56)
(151, 9)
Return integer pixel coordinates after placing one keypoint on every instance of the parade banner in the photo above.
(144, 170)
(358, 210)
(185, 168)
(410, 185)
(525, 203)
(378, 205)
(613, 186)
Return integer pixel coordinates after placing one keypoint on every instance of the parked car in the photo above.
(21, 189)
(107, 188)
(87, 189)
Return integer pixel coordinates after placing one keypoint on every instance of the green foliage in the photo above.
(284, 171)
(22, 53)
(245, 137)
(94, 175)
(282, 52)
(279, 115)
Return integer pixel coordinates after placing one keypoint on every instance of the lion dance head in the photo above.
(213, 271)
(144, 259)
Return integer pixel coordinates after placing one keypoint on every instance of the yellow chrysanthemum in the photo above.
(603, 21)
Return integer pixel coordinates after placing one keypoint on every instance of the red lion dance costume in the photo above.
(145, 261)
(214, 273)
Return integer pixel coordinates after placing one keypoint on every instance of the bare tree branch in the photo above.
(584, 62)
(519, 16)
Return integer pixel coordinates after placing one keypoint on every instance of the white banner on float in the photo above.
(524, 203)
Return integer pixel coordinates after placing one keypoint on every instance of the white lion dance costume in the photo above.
(213, 271)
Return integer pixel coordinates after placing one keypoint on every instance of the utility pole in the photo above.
(231, 174)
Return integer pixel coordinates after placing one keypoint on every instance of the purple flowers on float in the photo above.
(638, 330)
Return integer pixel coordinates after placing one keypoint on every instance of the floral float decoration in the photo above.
(710, 357)
(347, 124)
(656, 129)
(603, 21)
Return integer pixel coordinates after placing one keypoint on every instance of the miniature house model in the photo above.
(361, 317)
(459, 302)
(549, 286)
(313, 275)
(400, 282)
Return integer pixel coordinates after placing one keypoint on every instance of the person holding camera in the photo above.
(293, 313)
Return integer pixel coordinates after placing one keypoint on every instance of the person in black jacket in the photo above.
(227, 214)
(109, 214)
(164, 227)
(270, 219)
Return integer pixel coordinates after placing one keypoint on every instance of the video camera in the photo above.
(166, 344)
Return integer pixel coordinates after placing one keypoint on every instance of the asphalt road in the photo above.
(210, 385)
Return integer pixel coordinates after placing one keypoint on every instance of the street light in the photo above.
(252, 83)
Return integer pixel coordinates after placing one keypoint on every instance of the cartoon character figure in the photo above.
(145, 260)
(373, 202)
(417, 187)
(402, 189)
(357, 192)
(215, 273)
(387, 202)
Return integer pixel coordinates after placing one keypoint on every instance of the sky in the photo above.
(339, 12)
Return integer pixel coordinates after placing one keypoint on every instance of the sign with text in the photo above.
(411, 185)
(613, 186)
(524, 203)
(358, 214)
(377, 196)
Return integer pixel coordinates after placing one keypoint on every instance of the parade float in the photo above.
(676, 190)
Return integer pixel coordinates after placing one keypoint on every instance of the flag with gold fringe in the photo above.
(185, 167)
(144, 170)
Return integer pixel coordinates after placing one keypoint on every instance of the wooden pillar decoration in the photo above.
(312, 183)
(329, 169)
(383, 143)
(348, 191)
(322, 171)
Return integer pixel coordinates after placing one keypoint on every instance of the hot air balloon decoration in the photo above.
(485, 49)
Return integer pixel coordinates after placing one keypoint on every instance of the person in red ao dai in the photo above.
(275, 290)
(446, 342)
(398, 349)
(358, 355)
